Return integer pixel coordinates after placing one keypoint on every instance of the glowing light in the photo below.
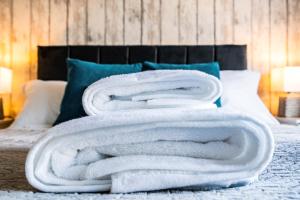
(286, 79)
(5, 80)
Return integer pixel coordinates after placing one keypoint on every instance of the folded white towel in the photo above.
(149, 150)
(152, 90)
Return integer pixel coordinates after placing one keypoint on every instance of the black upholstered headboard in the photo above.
(52, 59)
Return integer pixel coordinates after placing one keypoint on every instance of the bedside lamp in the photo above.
(287, 79)
(5, 86)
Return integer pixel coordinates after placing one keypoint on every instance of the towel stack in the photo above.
(150, 131)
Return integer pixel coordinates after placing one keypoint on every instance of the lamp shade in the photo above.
(5, 80)
(286, 79)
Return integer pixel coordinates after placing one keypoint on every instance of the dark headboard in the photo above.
(52, 59)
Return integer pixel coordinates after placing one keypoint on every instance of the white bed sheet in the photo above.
(18, 138)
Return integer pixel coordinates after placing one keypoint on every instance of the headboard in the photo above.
(52, 59)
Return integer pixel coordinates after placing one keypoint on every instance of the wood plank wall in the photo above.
(270, 28)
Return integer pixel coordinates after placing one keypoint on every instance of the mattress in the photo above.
(281, 180)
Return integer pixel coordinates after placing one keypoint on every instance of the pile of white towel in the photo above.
(152, 90)
(135, 140)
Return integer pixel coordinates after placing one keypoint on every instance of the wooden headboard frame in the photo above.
(52, 59)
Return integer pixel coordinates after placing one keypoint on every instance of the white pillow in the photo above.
(240, 93)
(42, 105)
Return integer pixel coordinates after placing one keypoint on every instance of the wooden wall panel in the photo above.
(270, 28)
(278, 33)
(39, 31)
(294, 32)
(261, 45)
(5, 33)
(169, 21)
(242, 25)
(278, 42)
(58, 22)
(224, 21)
(77, 22)
(20, 51)
(151, 22)
(188, 22)
(114, 32)
(132, 22)
(205, 22)
(95, 22)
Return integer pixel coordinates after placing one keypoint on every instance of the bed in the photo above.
(279, 181)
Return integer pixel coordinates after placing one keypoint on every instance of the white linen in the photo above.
(240, 93)
(19, 139)
(152, 90)
(42, 105)
(143, 151)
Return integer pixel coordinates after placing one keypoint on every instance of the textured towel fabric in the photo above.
(152, 90)
(146, 150)
(212, 68)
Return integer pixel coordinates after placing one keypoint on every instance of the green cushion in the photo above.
(212, 68)
(81, 74)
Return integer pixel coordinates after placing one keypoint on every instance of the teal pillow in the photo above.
(212, 68)
(81, 74)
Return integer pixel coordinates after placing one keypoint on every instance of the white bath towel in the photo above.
(148, 150)
(152, 90)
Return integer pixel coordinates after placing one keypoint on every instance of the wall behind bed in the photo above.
(270, 28)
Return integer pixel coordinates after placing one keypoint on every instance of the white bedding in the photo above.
(19, 138)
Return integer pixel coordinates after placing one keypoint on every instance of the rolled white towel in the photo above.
(152, 90)
(144, 151)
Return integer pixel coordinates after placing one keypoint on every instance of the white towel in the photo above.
(149, 150)
(152, 90)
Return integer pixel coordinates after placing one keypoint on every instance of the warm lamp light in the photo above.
(286, 79)
(5, 85)
(5, 80)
